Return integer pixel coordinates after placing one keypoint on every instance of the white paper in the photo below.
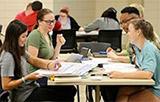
(97, 61)
(68, 69)
(121, 67)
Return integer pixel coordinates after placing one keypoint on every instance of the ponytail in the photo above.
(147, 31)
(156, 40)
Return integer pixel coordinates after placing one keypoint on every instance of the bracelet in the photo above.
(23, 80)
(48, 65)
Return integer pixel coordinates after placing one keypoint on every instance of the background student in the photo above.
(148, 62)
(39, 44)
(139, 7)
(67, 21)
(127, 14)
(15, 74)
(29, 16)
(108, 21)
(109, 93)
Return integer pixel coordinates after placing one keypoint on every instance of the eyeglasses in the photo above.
(49, 21)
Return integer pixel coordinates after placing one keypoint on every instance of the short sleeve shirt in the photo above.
(30, 20)
(148, 59)
(45, 50)
(7, 63)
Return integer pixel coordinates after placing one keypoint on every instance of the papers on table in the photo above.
(121, 67)
(97, 61)
(68, 69)
(79, 69)
(71, 57)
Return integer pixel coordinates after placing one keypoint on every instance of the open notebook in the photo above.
(68, 69)
(121, 67)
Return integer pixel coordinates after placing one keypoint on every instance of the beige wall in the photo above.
(9, 8)
(152, 13)
(84, 11)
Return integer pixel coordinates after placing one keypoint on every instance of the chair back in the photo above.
(111, 36)
(70, 37)
(0, 28)
(94, 46)
(4, 96)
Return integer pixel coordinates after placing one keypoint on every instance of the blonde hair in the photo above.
(147, 31)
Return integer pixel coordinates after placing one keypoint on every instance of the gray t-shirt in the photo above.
(102, 24)
(20, 93)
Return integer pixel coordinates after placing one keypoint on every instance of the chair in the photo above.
(94, 46)
(70, 37)
(0, 28)
(111, 36)
(1, 35)
(4, 96)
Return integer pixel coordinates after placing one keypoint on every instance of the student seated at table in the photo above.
(108, 21)
(67, 21)
(109, 93)
(148, 62)
(29, 16)
(39, 44)
(126, 55)
(15, 74)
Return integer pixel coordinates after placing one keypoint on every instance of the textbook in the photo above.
(121, 67)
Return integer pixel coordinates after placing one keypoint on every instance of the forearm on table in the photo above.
(138, 75)
(124, 59)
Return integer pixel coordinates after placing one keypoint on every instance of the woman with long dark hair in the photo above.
(15, 74)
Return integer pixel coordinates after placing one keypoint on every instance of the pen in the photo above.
(99, 74)
(56, 67)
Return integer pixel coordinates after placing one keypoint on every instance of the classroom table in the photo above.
(100, 79)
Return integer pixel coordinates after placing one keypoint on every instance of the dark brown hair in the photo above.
(64, 11)
(41, 15)
(36, 5)
(13, 32)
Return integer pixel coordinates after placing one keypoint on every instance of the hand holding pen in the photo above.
(54, 65)
(57, 65)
